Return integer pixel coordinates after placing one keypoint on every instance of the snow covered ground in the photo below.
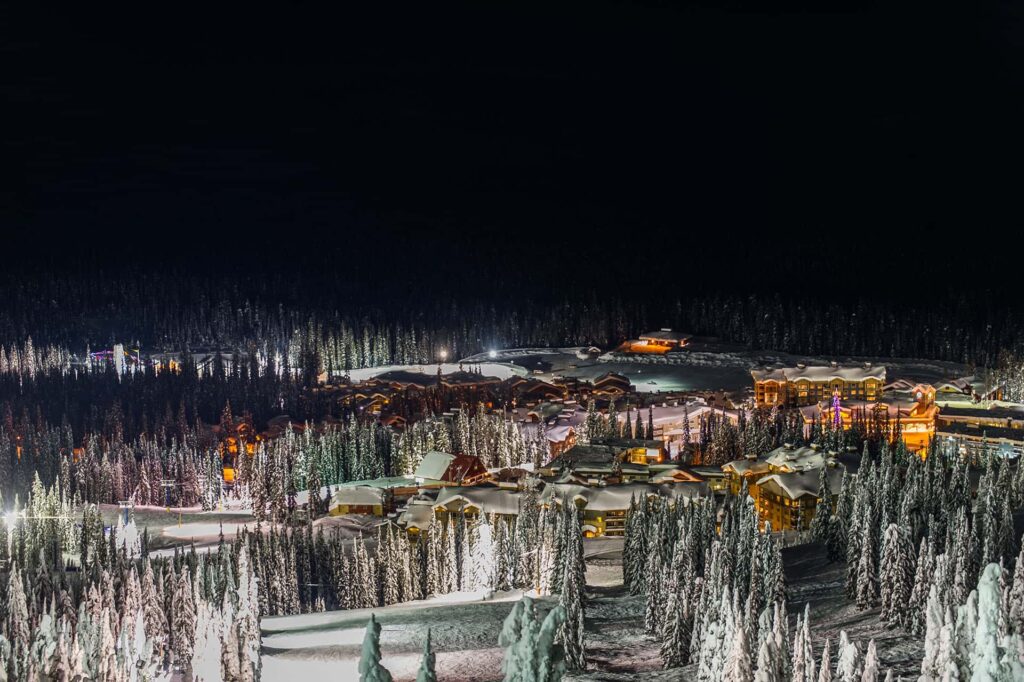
(464, 631)
(465, 628)
(705, 365)
(501, 370)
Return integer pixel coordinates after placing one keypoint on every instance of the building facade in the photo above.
(808, 385)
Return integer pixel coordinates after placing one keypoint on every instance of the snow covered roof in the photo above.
(743, 467)
(819, 373)
(617, 497)
(682, 492)
(798, 484)
(668, 475)
(433, 465)
(418, 513)
(665, 335)
(795, 459)
(487, 499)
(557, 434)
(357, 495)
(302, 496)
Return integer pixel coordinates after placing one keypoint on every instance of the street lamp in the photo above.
(443, 355)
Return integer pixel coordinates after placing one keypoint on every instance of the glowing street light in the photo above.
(492, 354)
(443, 355)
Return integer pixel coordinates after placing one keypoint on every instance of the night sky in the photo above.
(537, 140)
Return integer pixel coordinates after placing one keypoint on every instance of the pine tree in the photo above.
(1016, 610)
(993, 656)
(802, 667)
(573, 585)
(825, 667)
(769, 664)
(867, 565)
(870, 672)
(738, 664)
(370, 668)
(848, 666)
(897, 576)
(18, 626)
(184, 625)
(823, 511)
(915, 616)
(426, 671)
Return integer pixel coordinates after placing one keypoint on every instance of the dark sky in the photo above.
(696, 137)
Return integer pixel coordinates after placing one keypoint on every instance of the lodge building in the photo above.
(807, 385)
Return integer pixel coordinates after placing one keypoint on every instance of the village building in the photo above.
(808, 385)
(611, 385)
(989, 428)
(914, 411)
(604, 509)
(476, 500)
(418, 513)
(605, 461)
(357, 499)
(672, 422)
(784, 483)
(559, 421)
(439, 469)
(529, 390)
(789, 500)
(591, 464)
(671, 473)
(657, 342)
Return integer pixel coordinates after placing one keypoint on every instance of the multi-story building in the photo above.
(784, 484)
(809, 385)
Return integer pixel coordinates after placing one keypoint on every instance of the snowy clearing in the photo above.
(500, 370)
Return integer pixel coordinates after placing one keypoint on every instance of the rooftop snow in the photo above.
(819, 373)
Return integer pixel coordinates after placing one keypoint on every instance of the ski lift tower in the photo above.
(126, 508)
(167, 484)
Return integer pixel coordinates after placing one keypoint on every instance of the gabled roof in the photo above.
(434, 465)
(800, 484)
(617, 497)
(611, 378)
(357, 495)
(666, 335)
(819, 373)
(795, 459)
(488, 500)
(441, 466)
(742, 467)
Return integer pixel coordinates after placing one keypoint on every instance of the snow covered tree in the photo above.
(993, 656)
(738, 666)
(184, 623)
(573, 585)
(769, 663)
(848, 665)
(370, 668)
(802, 667)
(825, 667)
(823, 510)
(867, 564)
(426, 670)
(18, 625)
(897, 576)
(870, 671)
(205, 663)
(531, 651)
